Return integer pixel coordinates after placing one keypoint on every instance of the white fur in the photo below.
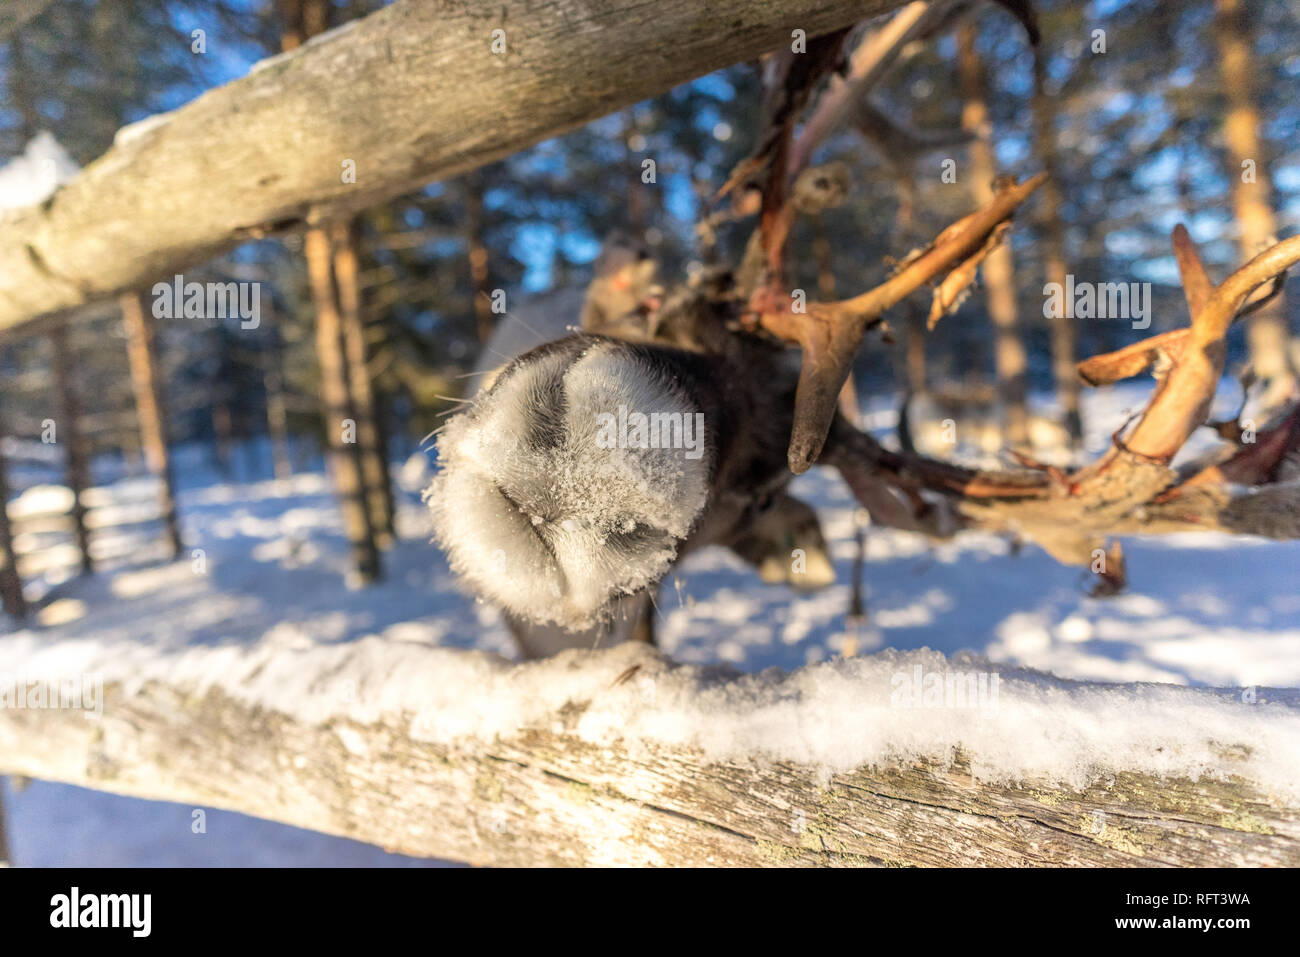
(589, 524)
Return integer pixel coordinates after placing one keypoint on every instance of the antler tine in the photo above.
(1237, 290)
(1183, 399)
(962, 239)
(1132, 359)
(831, 333)
(1197, 287)
(1135, 359)
(1131, 488)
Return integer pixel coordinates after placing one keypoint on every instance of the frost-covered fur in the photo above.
(534, 514)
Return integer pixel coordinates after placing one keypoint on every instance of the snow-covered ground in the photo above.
(1200, 610)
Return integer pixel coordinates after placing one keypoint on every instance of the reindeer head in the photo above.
(546, 504)
(593, 462)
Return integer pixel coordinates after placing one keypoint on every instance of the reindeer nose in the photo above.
(537, 511)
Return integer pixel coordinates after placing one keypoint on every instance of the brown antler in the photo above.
(830, 333)
(1131, 489)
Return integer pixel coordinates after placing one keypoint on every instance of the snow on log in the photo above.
(622, 757)
(379, 107)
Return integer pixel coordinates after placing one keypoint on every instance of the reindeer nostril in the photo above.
(538, 512)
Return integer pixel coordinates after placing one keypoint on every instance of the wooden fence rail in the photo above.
(547, 795)
(45, 538)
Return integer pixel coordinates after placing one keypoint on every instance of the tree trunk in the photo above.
(222, 432)
(1064, 334)
(73, 439)
(1009, 358)
(479, 272)
(374, 463)
(277, 416)
(340, 419)
(636, 191)
(343, 420)
(147, 208)
(912, 373)
(11, 585)
(365, 399)
(142, 351)
(18, 77)
(1266, 331)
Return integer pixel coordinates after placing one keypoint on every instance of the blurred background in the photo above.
(204, 507)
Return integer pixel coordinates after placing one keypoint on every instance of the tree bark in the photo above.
(142, 351)
(1064, 335)
(72, 437)
(374, 463)
(1009, 357)
(223, 433)
(410, 94)
(343, 419)
(277, 415)
(479, 271)
(344, 450)
(1266, 331)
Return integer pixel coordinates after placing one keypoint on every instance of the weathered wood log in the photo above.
(552, 793)
(412, 93)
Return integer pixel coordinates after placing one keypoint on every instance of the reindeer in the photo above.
(570, 534)
(601, 526)
(569, 528)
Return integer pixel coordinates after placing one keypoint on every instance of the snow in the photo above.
(1203, 612)
(891, 706)
(53, 825)
(34, 175)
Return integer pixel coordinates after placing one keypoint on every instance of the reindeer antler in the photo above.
(1196, 355)
(1131, 489)
(830, 333)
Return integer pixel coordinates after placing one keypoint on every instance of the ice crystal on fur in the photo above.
(536, 513)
